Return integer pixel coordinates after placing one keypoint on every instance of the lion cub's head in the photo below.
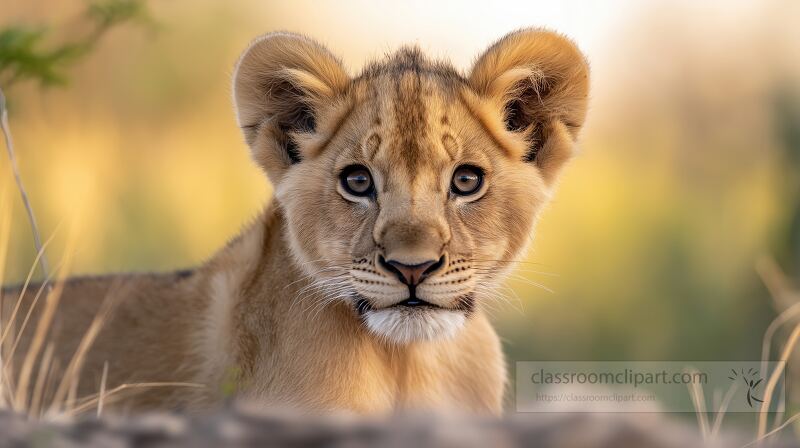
(410, 188)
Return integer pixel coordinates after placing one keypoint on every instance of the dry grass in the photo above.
(40, 387)
(784, 296)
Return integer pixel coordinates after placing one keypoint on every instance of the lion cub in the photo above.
(403, 196)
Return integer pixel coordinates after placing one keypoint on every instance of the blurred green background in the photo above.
(689, 169)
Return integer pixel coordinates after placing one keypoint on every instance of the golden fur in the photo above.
(299, 310)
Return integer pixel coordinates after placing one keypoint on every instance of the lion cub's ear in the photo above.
(537, 84)
(281, 85)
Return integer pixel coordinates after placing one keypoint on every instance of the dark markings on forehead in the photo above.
(450, 146)
(372, 145)
(409, 116)
(409, 77)
(376, 108)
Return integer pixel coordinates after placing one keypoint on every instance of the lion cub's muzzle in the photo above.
(444, 283)
(403, 302)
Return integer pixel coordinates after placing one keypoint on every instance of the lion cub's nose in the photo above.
(412, 274)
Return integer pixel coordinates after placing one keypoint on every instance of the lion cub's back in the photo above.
(144, 337)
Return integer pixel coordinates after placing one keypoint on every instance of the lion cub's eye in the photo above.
(357, 181)
(467, 180)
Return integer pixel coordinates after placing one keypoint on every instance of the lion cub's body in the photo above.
(362, 286)
(230, 324)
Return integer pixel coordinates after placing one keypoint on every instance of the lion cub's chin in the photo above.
(403, 325)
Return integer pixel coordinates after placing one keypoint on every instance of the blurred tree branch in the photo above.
(25, 56)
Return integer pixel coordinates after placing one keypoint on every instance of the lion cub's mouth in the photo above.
(414, 302)
(464, 304)
(363, 305)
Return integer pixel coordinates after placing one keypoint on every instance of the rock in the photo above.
(245, 427)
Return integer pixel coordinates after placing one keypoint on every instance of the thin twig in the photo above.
(37, 240)
(773, 381)
(699, 401)
(67, 389)
(112, 395)
(774, 431)
(37, 396)
(102, 396)
(12, 318)
(723, 408)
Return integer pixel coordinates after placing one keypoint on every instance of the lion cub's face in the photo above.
(410, 189)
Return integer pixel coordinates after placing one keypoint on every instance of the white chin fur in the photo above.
(404, 325)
